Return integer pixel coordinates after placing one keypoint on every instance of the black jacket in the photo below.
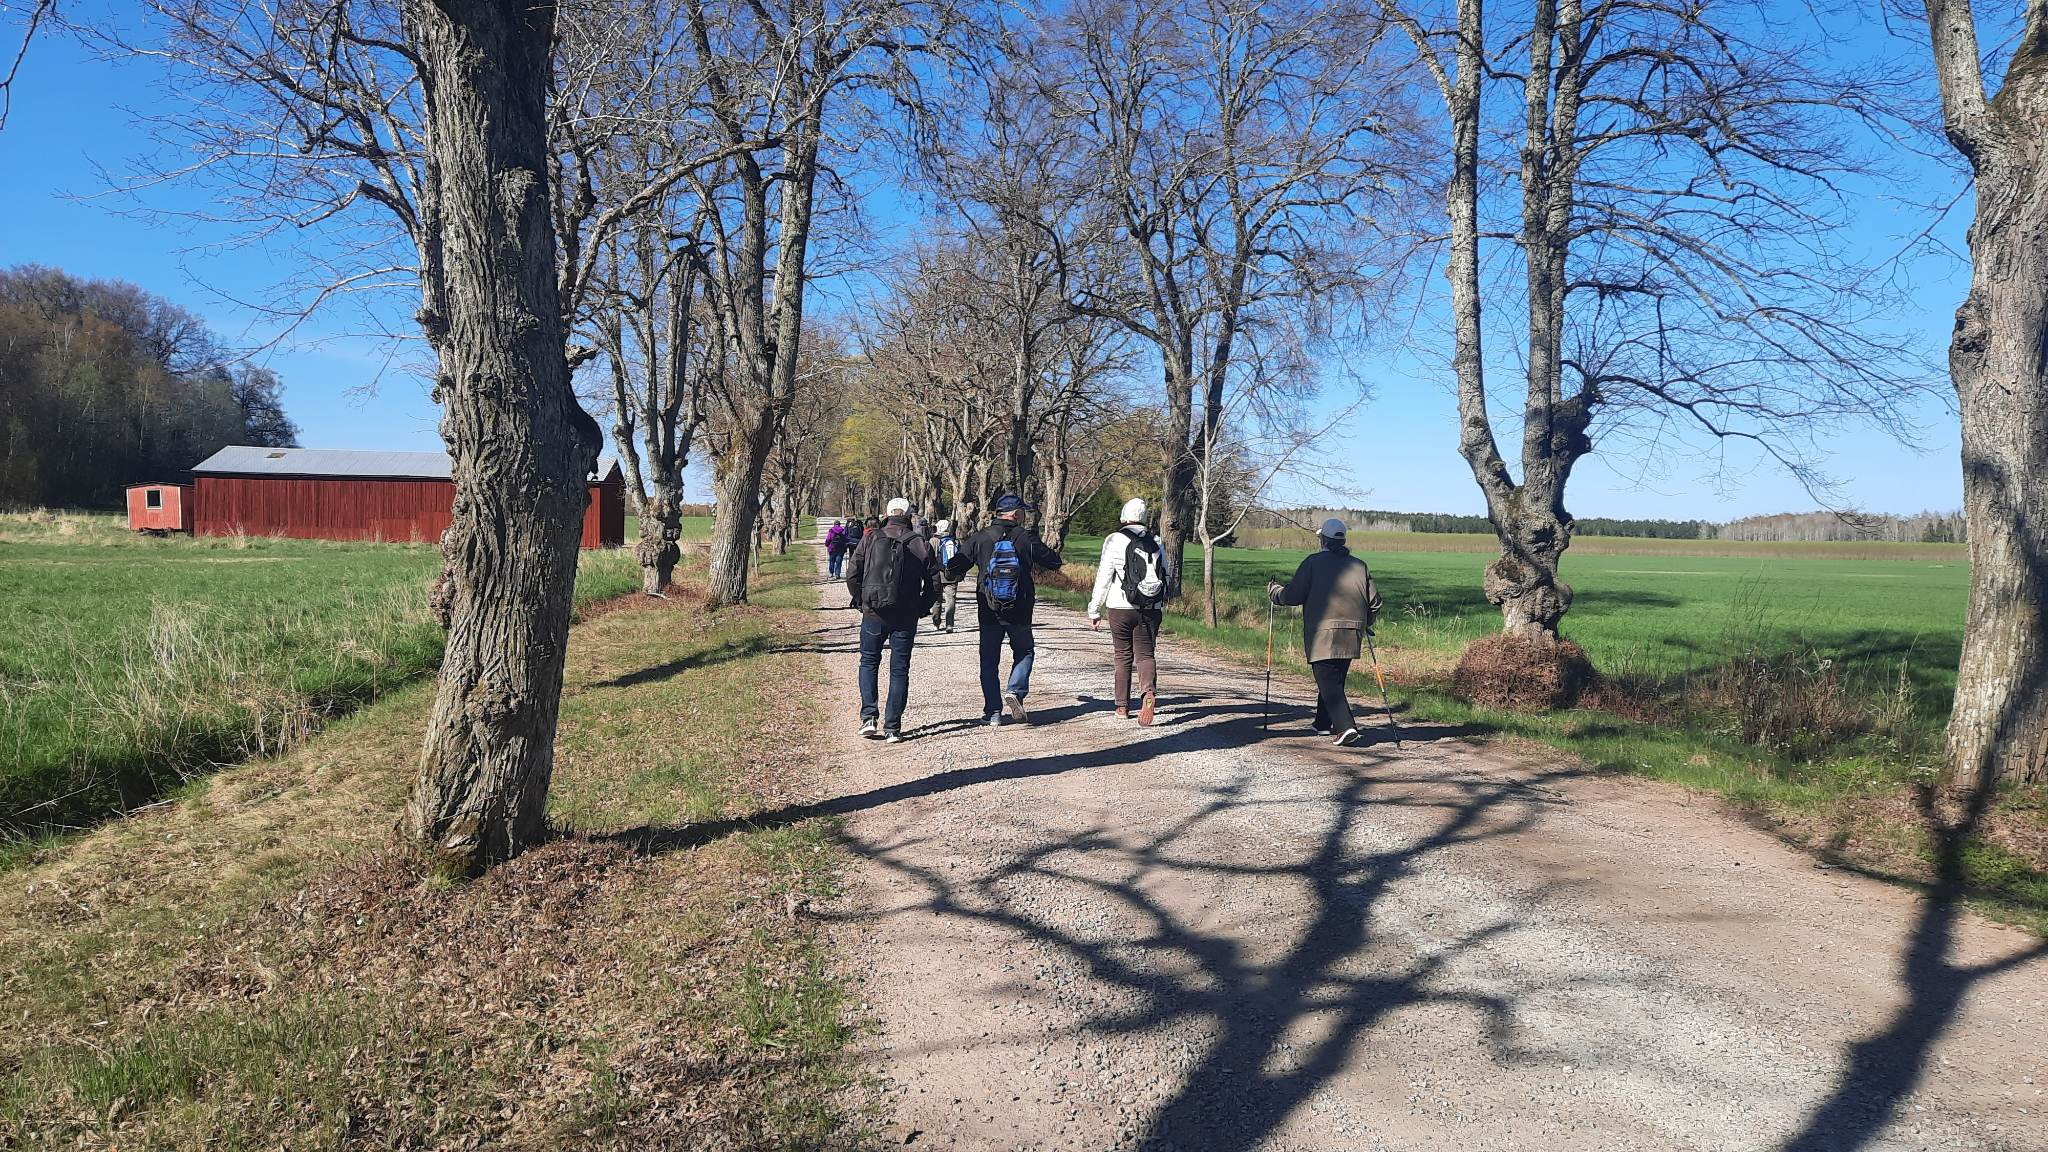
(918, 575)
(977, 550)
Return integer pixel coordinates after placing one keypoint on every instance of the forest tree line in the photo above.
(103, 385)
(1920, 528)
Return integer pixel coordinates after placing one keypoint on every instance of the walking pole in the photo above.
(1266, 706)
(1382, 678)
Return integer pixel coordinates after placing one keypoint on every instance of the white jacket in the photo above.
(1109, 573)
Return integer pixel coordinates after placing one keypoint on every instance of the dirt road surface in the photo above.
(1085, 934)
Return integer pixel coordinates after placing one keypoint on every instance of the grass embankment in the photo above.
(252, 966)
(1809, 687)
(128, 663)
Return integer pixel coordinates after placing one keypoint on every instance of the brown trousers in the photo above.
(1134, 636)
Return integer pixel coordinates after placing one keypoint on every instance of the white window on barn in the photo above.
(153, 498)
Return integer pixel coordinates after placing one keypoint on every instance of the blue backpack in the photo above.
(1004, 577)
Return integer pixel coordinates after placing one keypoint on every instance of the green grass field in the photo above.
(127, 663)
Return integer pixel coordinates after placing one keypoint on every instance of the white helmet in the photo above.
(1133, 513)
(899, 507)
(944, 526)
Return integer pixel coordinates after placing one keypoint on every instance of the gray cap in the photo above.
(1332, 529)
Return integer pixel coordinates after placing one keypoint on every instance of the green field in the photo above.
(128, 662)
(1881, 635)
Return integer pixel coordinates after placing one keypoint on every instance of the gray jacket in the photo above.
(1338, 603)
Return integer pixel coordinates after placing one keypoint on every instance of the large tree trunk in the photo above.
(661, 525)
(1998, 730)
(739, 507)
(1178, 489)
(1523, 581)
(1998, 359)
(521, 447)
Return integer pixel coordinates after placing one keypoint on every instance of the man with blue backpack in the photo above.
(1005, 553)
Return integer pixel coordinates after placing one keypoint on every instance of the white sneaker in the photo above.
(1015, 706)
(995, 719)
(1321, 729)
(894, 737)
(1350, 734)
(870, 728)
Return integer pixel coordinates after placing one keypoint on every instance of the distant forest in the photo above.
(104, 385)
(1925, 527)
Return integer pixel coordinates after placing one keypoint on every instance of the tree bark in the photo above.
(739, 507)
(521, 448)
(1998, 360)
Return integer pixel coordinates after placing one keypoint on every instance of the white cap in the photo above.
(944, 526)
(899, 507)
(1133, 513)
(1332, 529)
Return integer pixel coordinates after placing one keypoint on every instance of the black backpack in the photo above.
(881, 576)
(1142, 563)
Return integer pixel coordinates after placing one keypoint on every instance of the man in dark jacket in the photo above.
(1338, 606)
(894, 578)
(1004, 553)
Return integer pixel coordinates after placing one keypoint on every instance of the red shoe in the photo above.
(1145, 711)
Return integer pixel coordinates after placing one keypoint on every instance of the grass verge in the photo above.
(251, 965)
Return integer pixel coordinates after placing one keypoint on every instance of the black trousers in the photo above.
(1333, 708)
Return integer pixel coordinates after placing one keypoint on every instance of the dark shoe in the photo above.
(1350, 736)
(893, 737)
(1145, 710)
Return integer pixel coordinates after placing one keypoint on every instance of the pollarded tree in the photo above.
(1675, 209)
(1998, 360)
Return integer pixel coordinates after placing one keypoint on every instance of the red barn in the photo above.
(160, 508)
(316, 494)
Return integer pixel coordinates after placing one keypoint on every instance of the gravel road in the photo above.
(1086, 934)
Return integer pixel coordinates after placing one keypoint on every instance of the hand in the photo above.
(1095, 622)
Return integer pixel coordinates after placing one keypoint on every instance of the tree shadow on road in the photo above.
(1256, 1069)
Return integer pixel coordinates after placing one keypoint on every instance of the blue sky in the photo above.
(70, 120)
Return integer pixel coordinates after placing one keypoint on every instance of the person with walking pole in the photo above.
(1338, 603)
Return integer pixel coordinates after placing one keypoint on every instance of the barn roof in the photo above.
(248, 460)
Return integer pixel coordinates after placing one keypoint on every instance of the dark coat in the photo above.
(977, 550)
(1338, 603)
(918, 575)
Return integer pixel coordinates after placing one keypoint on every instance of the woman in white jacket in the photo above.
(1130, 587)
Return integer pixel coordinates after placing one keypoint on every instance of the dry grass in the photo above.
(252, 966)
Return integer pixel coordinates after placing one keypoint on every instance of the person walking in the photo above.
(894, 579)
(946, 609)
(1130, 585)
(1005, 553)
(1338, 603)
(835, 549)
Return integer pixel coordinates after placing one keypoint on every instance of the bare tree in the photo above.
(418, 139)
(1676, 215)
(1998, 729)
(1238, 146)
(789, 76)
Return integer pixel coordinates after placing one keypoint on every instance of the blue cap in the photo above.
(1011, 502)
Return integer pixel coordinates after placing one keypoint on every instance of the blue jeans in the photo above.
(874, 632)
(835, 563)
(994, 631)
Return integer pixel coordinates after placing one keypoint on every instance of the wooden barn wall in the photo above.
(400, 511)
